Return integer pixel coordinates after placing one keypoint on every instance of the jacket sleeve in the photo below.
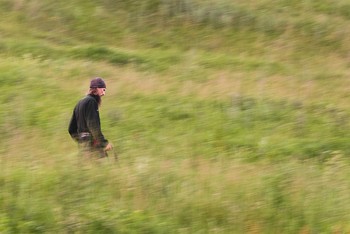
(73, 127)
(94, 125)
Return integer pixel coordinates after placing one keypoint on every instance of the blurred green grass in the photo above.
(227, 117)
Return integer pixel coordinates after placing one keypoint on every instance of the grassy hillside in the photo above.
(227, 117)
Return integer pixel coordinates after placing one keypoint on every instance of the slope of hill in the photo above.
(219, 112)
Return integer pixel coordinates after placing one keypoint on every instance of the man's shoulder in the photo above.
(86, 101)
(88, 98)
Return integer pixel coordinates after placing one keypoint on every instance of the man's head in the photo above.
(98, 87)
(97, 82)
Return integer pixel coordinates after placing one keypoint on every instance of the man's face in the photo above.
(101, 91)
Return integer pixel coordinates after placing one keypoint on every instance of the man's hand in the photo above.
(108, 147)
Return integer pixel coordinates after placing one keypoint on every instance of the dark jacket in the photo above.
(86, 119)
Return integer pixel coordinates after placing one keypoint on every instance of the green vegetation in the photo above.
(228, 116)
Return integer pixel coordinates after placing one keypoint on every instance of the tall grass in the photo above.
(228, 117)
(314, 23)
(151, 195)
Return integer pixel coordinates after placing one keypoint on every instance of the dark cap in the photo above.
(97, 83)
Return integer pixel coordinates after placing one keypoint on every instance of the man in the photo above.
(85, 126)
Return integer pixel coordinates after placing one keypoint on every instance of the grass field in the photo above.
(227, 116)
